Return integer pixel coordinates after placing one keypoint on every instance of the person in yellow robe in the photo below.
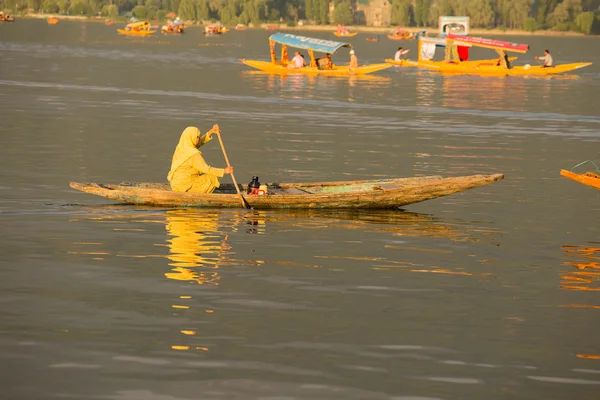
(189, 172)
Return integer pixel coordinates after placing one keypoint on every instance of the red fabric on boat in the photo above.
(463, 53)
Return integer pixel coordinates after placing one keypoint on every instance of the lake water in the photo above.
(492, 293)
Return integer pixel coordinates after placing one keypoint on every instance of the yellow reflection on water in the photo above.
(584, 271)
(196, 247)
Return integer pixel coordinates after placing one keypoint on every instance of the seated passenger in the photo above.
(189, 172)
(297, 61)
(325, 62)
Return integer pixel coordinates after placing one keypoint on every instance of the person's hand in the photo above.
(229, 170)
(537, 58)
(216, 129)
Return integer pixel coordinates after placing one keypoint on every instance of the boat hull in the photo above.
(589, 178)
(489, 67)
(373, 194)
(336, 71)
(345, 34)
(135, 33)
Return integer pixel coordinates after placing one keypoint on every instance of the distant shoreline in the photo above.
(332, 28)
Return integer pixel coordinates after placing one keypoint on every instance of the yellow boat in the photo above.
(434, 64)
(137, 29)
(345, 34)
(456, 58)
(53, 20)
(315, 67)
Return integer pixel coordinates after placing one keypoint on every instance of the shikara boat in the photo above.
(589, 178)
(173, 27)
(53, 20)
(109, 22)
(6, 17)
(373, 39)
(314, 68)
(345, 34)
(400, 34)
(137, 29)
(364, 194)
(457, 52)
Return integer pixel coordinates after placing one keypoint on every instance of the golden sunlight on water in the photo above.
(584, 271)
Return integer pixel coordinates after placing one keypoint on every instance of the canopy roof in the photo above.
(307, 43)
(487, 43)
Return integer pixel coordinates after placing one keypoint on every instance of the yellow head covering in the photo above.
(185, 149)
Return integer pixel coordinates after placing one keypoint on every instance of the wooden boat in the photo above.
(173, 27)
(589, 178)
(6, 17)
(435, 65)
(456, 58)
(312, 45)
(373, 39)
(215, 29)
(137, 29)
(240, 27)
(401, 35)
(108, 22)
(371, 194)
(345, 34)
(53, 20)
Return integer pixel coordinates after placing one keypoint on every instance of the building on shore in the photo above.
(373, 12)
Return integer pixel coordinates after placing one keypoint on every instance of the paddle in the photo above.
(244, 202)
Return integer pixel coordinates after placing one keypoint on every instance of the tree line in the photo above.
(530, 15)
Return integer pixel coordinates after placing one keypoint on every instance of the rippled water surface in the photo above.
(492, 293)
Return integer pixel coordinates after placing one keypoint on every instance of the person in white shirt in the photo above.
(400, 53)
(547, 59)
(297, 61)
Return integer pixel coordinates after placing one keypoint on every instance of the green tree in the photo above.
(530, 24)
(34, 4)
(439, 8)
(140, 12)
(342, 12)
(309, 9)
(566, 12)
(187, 10)
(78, 7)
(323, 11)
(585, 22)
(202, 10)
(481, 12)
(401, 12)
(110, 11)
(50, 6)
(63, 6)
(544, 9)
(422, 8)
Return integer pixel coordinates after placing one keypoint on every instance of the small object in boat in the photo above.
(254, 185)
(262, 190)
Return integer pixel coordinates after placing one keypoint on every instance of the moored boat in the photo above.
(52, 20)
(137, 29)
(315, 67)
(363, 194)
(588, 178)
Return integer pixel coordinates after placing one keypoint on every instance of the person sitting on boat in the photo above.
(400, 53)
(297, 61)
(353, 61)
(189, 172)
(325, 62)
(547, 59)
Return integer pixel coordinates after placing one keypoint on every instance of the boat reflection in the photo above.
(584, 271)
(196, 247)
(484, 92)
